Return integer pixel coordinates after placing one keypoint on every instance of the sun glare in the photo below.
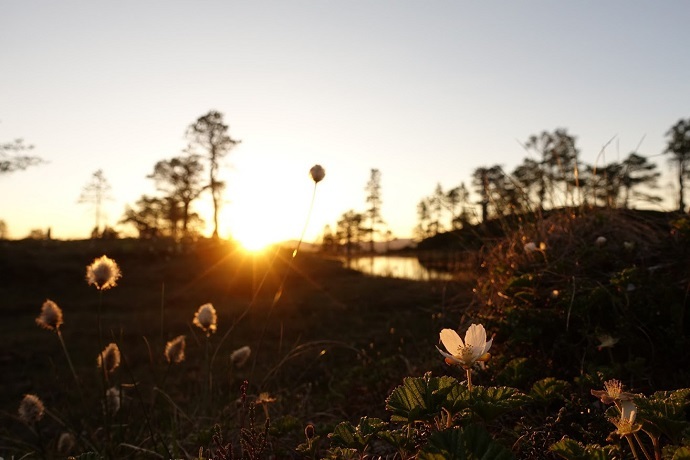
(253, 239)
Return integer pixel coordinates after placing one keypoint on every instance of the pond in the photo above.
(395, 267)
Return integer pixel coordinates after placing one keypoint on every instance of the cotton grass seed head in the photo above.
(109, 358)
(112, 399)
(205, 318)
(317, 173)
(31, 409)
(240, 356)
(174, 350)
(66, 443)
(50, 317)
(103, 273)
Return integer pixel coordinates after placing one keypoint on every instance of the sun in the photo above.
(253, 240)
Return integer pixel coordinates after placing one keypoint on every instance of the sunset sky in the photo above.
(425, 91)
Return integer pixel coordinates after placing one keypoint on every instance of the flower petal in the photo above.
(451, 340)
(488, 345)
(628, 411)
(450, 357)
(476, 336)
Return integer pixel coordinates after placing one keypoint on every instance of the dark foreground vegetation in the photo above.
(586, 309)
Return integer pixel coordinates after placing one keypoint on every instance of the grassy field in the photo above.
(327, 343)
(586, 310)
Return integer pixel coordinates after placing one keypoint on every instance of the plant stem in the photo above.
(644, 450)
(69, 360)
(632, 447)
(469, 378)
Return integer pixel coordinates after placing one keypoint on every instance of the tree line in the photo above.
(179, 181)
(552, 176)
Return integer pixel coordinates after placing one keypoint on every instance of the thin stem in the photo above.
(40, 440)
(162, 308)
(207, 384)
(147, 419)
(69, 360)
(644, 450)
(632, 447)
(469, 378)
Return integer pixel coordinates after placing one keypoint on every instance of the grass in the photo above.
(333, 346)
(329, 345)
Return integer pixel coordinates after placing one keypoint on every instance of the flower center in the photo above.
(466, 354)
(613, 388)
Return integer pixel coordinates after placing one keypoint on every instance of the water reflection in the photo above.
(395, 267)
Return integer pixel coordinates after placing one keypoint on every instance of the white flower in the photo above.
(240, 356)
(317, 173)
(31, 409)
(613, 393)
(112, 399)
(530, 248)
(606, 341)
(109, 358)
(103, 273)
(465, 354)
(600, 241)
(205, 318)
(50, 317)
(174, 350)
(625, 425)
(66, 443)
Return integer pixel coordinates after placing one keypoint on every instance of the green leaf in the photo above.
(398, 439)
(339, 453)
(485, 402)
(682, 453)
(419, 398)
(346, 435)
(516, 372)
(469, 443)
(573, 450)
(664, 413)
(549, 389)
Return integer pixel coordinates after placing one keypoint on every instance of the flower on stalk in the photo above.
(240, 356)
(112, 399)
(103, 273)
(264, 398)
(530, 247)
(606, 341)
(109, 358)
(317, 173)
(205, 318)
(66, 443)
(31, 409)
(613, 393)
(50, 317)
(625, 424)
(174, 350)
(473, 349)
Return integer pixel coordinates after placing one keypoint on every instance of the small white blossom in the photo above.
(205, 318)
(103, 273)
(240, 356)
(465, 354)
(600, 241)
(606, 341)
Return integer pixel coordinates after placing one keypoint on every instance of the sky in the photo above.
(424, 91)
